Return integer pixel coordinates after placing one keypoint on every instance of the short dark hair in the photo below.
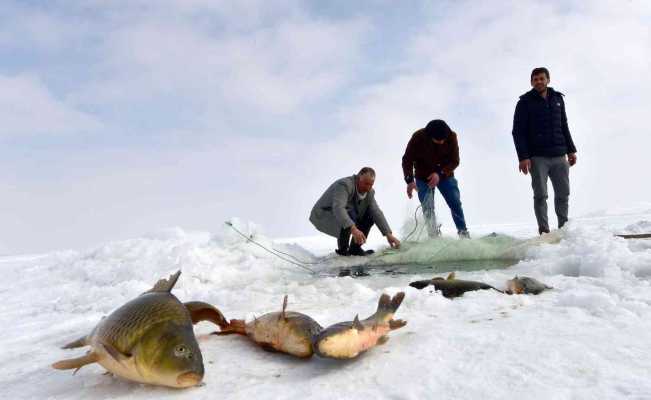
(367, 170)
(438, 129)
(540, 70)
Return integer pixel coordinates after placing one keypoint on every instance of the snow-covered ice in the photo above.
(586, 339)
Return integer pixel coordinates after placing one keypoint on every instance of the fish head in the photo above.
(515, 286)
(169, 355)
(533, 286)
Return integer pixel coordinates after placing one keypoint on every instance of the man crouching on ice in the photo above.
(348, 207)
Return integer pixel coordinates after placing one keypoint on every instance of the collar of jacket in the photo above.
(534, 95)
(355, 178)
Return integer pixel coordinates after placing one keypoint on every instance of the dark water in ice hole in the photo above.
(419, 269)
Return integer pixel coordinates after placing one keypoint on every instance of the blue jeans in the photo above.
(449, 188)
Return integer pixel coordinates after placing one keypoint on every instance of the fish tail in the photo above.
(234, 326)
(81, 342)
(200, 311)
(420, 284)
(387, 306)
(397, 324)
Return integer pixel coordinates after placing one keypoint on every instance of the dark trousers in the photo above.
(363, 223)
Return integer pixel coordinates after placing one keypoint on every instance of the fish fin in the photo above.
(451, 276)
(76, 363)
(282, 313)
(357, 324)
(165, 285)
(268, 347)
(81, 342)
(234, 326)
(382, 340)
(396, 324)
(200, 311)
(115, 353)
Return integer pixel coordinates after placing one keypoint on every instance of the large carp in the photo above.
(452, 287)
(349, 339)
(149, 339)
(285, 331)
(525, 285)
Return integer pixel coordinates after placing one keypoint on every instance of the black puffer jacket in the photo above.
(540, 126)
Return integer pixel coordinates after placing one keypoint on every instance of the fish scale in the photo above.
(125, 326)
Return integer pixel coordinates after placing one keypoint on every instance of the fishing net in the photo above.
(424, 225)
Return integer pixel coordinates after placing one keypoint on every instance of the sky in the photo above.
(126, 117)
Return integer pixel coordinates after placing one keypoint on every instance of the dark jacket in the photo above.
(331, 213)
(425, 156)
(540, 126)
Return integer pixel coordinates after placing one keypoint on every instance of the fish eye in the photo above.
(180, 350)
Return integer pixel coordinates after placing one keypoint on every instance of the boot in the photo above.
(356, 250)
(342, 242)
(464, 234)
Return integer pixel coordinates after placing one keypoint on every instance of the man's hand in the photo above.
(571, 158)
(358, 235)
(433, 180)
(393, 241)
(525, 166)
(410, 188)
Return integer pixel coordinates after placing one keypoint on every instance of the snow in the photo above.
(587, 338)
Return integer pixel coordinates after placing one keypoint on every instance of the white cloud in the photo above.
(28, 108)
(275, 68)
(21, 25)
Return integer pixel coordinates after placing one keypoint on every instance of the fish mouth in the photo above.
(189, 379)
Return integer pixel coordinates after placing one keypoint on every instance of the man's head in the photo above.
(365, 180)
(540, 79)
(438, 130)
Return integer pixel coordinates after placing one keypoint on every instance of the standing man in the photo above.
(544, 146)
(433, 152)
(348, 207)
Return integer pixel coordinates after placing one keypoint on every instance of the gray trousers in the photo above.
(558, 171)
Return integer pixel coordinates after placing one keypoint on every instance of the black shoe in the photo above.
(543, 230)
(464, 234)
(358, 251)
(344, 253)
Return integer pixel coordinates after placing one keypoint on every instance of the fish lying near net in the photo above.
(149, 339)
